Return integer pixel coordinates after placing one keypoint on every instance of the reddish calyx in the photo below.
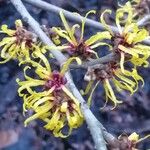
(80, 50)
(56, 80)
(23, 35)
(108, 73)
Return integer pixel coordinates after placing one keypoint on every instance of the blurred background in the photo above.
(132, 116)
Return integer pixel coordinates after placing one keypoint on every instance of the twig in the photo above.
(47, 6)
(143, 20)
(100, 61)
(93, 124)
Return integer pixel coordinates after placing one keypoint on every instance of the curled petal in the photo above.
(126, 50)
(101, 44)
(121, 85)
(141, 35)
(70, 95)
(57, 131)
(7, 47)
(67, 27)
(88, 87)
(7, 40)
(68, 62)
(140, 61)
(44, 59)
(5, 29)
(110, 93)
(124, 78)
(122, 62)
(64, 35)
(103, 21)
(63, 107)
(43, 100)
(27, 84)
(37, 115)
(97, 37)
(83, 23)
(127, 8)
(74, 28)
(74, 119)
(91, 94)
(18, 23)
(52, 124)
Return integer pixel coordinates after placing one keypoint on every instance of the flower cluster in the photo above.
(18, 44)
(47, 94)
(128, 47)
(49, 97)
(80, 47)
(127, 42)
(112, 73)
(131, 141)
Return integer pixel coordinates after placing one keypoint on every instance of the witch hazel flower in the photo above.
(112, 79)
(127, 43)
(80, 47)
(49, 97)
(17, 43)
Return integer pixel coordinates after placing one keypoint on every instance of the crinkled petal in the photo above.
(68, 29)
(68, 62)
(107, 27)
(97, 37)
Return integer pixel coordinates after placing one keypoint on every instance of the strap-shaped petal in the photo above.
(5, 29)
(68, 62)
(91, 94)
(97, 37)
(107, 27)
(68, 29)
(83, 23)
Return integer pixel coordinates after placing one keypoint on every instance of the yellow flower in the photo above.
(17, 44)
(49, 97)
(78, 46)
(131, 141)
(127, 43)
(112, 75)
(135, 138)
(52, 34)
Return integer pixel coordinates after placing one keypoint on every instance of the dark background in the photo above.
(132, 115)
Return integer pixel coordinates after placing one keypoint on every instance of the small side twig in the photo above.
(100, 61)
(143, 20)
(47, 6)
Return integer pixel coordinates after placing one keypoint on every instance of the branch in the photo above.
(47, 6)
(93, 124)
(100, 61)
(143, 20)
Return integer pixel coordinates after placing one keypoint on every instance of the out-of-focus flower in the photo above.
(79, 46)
(131, 141)
(111, 77)
(18, 44)
(49, 97)
(141, 7)
(127, 43)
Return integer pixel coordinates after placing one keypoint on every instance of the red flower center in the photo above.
(56, 80)
(119, 40)
(23, 35)
(80, 50)
(107, 73)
